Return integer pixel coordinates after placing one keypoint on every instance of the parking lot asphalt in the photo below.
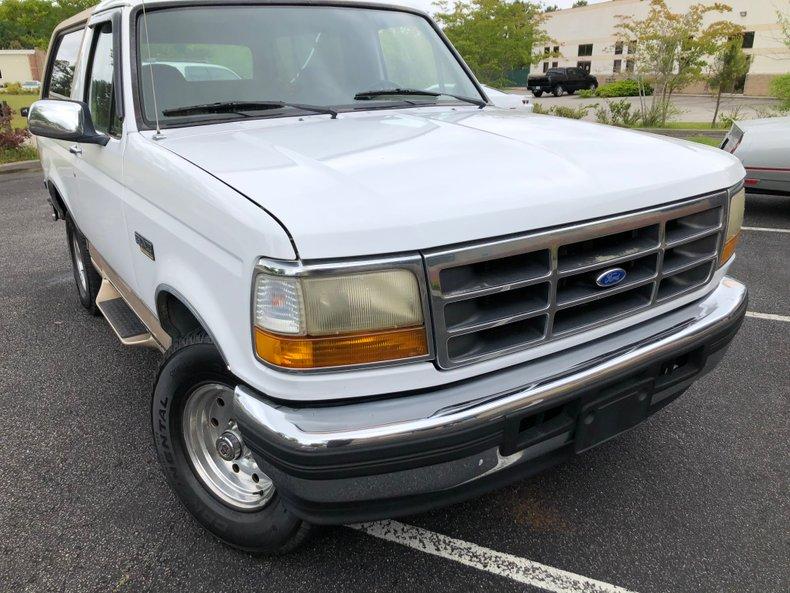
(695, 499)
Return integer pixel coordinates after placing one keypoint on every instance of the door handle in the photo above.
(75, 149)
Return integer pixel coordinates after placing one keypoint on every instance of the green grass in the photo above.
(16, 102)
(25, 153)
(704, 140)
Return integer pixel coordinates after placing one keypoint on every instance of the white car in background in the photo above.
(198, 71)
(763, 145)
(508, 100)
(497, 98)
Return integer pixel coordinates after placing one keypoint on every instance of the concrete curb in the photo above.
(20, 167)
(685, 133)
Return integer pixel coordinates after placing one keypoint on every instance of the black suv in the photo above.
(560, 80)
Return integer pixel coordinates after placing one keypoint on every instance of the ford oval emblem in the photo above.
(611, 277)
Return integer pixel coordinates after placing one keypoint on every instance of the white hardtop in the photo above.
(109, 4)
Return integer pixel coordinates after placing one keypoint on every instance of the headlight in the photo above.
(323, 316)
(734, 223)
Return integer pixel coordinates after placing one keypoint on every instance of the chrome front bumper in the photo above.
(407, 452)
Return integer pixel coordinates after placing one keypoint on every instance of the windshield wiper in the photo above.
(372, 94)
(241, 106)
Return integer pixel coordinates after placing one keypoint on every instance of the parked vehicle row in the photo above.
(375, 291)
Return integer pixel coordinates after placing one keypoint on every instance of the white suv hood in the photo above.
(381, 182)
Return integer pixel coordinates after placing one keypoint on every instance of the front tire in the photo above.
(232, 498)
(86, 277)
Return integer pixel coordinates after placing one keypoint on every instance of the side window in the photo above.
(99, 94)
(61, 75)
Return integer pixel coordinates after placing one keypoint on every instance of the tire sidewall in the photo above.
(92, 279)
(266, 530)
(72, 235)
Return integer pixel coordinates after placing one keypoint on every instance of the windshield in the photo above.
(324, 56)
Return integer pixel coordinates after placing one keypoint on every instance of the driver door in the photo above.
(100, 170)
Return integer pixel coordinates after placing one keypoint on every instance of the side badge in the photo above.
(611, 277)
(145, 246)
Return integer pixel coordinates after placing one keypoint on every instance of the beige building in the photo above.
(21, 65)
(586, 37)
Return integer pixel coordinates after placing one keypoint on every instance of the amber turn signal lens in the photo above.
(330, 351)
(729, 249)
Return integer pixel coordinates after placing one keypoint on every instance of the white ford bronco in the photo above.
(376, 292)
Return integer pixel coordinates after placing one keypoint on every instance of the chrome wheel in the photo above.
(217, 452)
(79, 265)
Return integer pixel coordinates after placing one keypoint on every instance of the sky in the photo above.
(427, 5)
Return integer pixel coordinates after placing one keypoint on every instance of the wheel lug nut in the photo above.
(229, 446)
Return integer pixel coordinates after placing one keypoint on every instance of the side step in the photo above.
(131, 331)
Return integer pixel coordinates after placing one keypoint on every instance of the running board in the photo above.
(131, 331)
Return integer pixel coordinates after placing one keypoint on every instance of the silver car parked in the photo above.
(763, 145)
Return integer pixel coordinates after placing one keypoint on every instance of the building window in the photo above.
(748, 40)
(546, 50)
(584, 66)
(631, 47)
(556, 49)
(618, 48)
(585, 49)
(545, 67)
(629, 65)
(555, 64)
(618, 64)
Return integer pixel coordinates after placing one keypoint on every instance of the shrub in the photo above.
(15, 88)
(617, 113)
(571, 112)
(770, 111)
(727, 119)
(538, 108)
(780, 88)
(10, 138)
(622, 88)
(586, 93)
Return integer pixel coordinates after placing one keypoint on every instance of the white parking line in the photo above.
(505, 565)
(771, 316)
(764, 229)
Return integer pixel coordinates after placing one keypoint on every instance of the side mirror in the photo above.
(64, 120)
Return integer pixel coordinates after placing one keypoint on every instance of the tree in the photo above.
(784, 22)
(579, 3)
(729, 64)
(671, 50)
(29, 23)
(494, 36)
(552, 8)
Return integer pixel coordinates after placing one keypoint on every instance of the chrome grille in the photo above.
(506, 295)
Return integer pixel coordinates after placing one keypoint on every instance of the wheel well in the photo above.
(176, 318)
(57, 201)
